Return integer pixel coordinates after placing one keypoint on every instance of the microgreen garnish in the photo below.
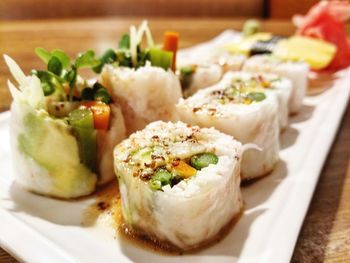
(97, 92)
(124, 42)
(107, 58)
(86, 60)
(61, 72)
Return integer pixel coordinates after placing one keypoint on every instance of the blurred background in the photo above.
(57, 9)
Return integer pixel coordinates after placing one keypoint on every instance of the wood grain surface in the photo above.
(325, 235)
(287, 8)
(43, 9)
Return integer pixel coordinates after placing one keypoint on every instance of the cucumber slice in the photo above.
(161, 58)
(82, 123)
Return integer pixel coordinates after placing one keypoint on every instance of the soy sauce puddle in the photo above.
(108, 203)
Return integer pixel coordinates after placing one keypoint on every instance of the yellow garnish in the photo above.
(247, 101)
(317, 53)
(183, 169)
(265, 84)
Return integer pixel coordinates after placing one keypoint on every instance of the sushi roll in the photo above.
(269, 83)
(194, 77)
(241, 108)
(142, 81)
(145, 94)
(179, 184)
(61, 128)
(296, 72)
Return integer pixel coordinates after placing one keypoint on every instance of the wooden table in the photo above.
(325, 235)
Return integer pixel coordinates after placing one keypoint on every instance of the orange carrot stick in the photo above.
(171, 41)
(101, 113)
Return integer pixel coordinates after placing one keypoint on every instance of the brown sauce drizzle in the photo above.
(108, 201)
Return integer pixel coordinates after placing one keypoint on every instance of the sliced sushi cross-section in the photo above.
(179, 183)
(242, 106)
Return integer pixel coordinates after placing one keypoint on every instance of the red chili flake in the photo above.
(175, 162)
(145, 176)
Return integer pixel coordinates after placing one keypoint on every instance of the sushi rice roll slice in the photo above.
(194, 77)
(61, 128)
(248, 113)
(141, 80)
(296, 72)
(179, 184)
(280, 86)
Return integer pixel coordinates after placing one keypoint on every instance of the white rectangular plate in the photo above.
(38, 229)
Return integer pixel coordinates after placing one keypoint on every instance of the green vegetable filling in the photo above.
(256, 96)
(186, 75)
(203, 160)
(122, 56)
(238, 94)
(161, 58)
(169, 175)
(82, 123)
(160, 178)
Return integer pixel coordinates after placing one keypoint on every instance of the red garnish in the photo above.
(325, 21)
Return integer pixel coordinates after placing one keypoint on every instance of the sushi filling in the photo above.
(65, 97)
(84, 108)
(185, 74)
(157, 166)
(245, 91)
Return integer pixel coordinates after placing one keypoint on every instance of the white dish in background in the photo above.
(39, 229)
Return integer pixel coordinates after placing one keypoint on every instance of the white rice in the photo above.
(145, 94)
